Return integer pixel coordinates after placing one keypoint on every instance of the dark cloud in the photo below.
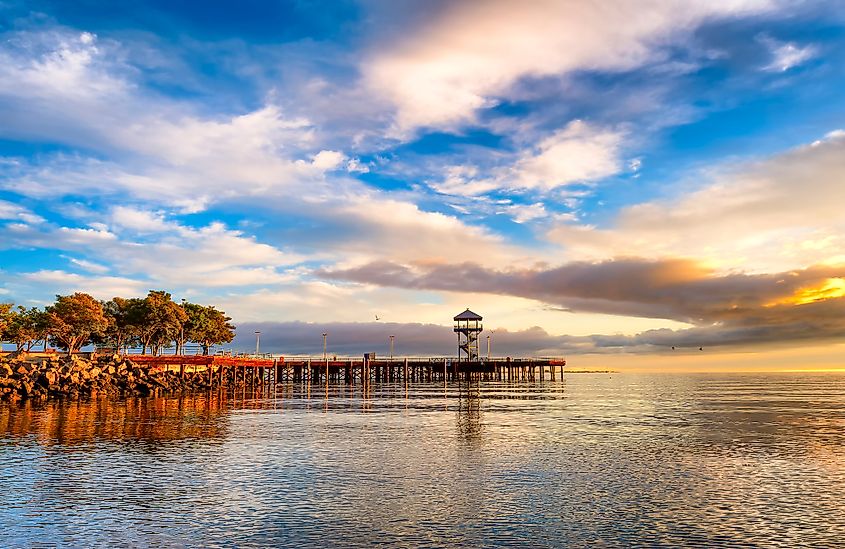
(725, 309)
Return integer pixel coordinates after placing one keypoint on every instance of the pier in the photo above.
(223, 370)
(256, 370)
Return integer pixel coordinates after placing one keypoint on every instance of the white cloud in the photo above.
(11, 211)
(578, 153)
(522, 213)
(773, 215)
(786, 55)
(141, 221)
(374, 226)
(69, 66)
(439, 74)
(354, 165)
(464, 181)
(328, 160)
(89, 266)
(101, 287)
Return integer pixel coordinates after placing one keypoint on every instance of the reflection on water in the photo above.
(611, 459)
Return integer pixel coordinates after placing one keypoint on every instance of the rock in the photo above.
(75, 375)
(48, 379)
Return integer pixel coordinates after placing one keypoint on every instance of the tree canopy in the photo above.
(5, 317)
(207, 326)
(152, 323)
(26, 327)
(74, 319)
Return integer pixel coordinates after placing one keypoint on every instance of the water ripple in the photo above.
(612, 460)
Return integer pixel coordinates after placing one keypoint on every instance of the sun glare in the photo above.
(831, 289)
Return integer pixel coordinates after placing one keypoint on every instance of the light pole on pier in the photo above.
(391, 347)
(257, 341)
(325, 355)
(488, 346)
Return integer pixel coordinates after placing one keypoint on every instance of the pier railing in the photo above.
(349, 370)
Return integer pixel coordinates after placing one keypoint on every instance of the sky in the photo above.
(624, 182)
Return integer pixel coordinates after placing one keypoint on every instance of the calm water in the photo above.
(756, 460)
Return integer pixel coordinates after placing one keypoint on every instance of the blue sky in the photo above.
(318, 163)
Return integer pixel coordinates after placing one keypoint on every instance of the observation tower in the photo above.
(468, 327)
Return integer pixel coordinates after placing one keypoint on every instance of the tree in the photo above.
(159, 320)
(27, 327)
(74, 319)
(6, 314)
(124, 316)
(207, 326)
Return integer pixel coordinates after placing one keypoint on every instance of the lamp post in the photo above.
(391, 347)
(325, 355)
(257, 341)
(488, 346)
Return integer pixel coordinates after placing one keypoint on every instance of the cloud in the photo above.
(358, 224)
(163, 153)
(523, 213)
(142, 221)
(774, 214)
(328, 160)
(724, 309)
(101, 287)
(169, 254)
(89, 266)
(786, 55)
(14, 212)
(467, 56)
(578, 153)
(353, 339)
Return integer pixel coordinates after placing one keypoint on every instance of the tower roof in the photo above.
(468, 315)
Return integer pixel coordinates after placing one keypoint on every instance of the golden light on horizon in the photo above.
(831, 289)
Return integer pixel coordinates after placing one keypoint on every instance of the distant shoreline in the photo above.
(592, 371)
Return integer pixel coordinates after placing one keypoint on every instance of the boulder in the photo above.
(48, 379)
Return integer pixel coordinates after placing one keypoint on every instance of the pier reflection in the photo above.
(470, 424)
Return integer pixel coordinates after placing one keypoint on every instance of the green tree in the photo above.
(73, 320)
(124, 316)
(159, 320)
(27, 327)
(207, 326)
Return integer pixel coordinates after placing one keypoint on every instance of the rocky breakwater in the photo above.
(75, 376)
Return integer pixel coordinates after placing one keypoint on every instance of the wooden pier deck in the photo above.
(223, 370)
